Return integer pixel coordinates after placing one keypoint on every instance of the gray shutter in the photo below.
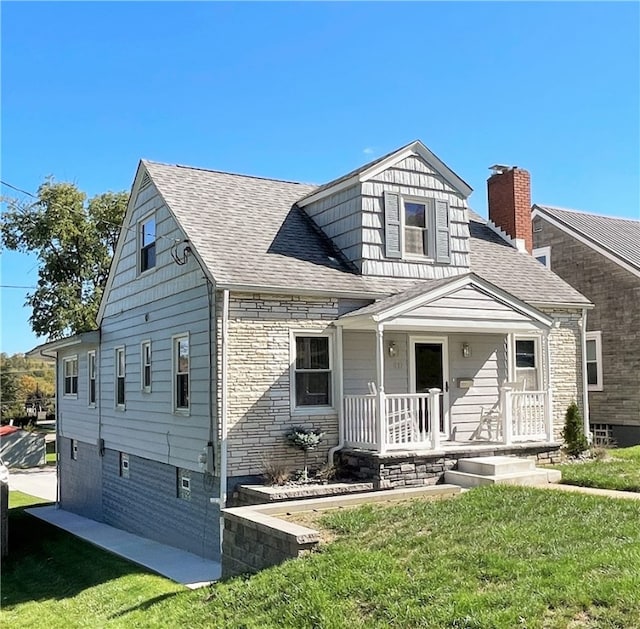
(393, 248)
(443, 247)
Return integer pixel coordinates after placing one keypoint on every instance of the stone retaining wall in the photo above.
(414, 470)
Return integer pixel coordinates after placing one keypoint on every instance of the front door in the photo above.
(429, 372)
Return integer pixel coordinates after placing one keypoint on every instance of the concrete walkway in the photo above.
(178, 565)
(592, 491)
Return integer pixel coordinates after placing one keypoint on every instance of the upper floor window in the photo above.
(120, 377)
(312, 371)
(417, 228)
(594, 361)
(181, 373)
(147, 244)
(145, 362)
(543, 255)
(70, 374)
(91, 373)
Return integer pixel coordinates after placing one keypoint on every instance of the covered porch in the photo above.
(459, 365)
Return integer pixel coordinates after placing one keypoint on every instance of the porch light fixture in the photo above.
(392, 349)
(466, 350)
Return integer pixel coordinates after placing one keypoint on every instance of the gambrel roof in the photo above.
(617, 237)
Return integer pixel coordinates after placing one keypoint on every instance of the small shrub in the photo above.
(275, 472)
(326, 473)
(573, 432)
(304, 439)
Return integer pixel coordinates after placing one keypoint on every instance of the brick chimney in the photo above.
(509, 193)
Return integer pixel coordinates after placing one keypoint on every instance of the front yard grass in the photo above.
(620, 470)
(493, 557)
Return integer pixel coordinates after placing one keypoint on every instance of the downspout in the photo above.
(224, 362)
(55, 357)
(585, 381)
(340, 395)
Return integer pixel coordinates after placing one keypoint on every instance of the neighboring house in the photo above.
(377, 308)
(600, 257)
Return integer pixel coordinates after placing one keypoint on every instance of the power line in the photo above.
(4, 183)
(11, 286)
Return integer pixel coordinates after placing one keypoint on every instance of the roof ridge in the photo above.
(226, 172)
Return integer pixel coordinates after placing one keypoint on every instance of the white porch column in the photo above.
(511, 362)
(548, 407)
(434, 417)
(381, 437)
(507, 418)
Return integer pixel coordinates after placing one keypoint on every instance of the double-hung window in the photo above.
(594, 361)
(416, 228)
(312, 370)
(147, 238)
(527, 360)
(181, 361)
(120, 377)
(70, 374)
(145, 366)
(91, 376)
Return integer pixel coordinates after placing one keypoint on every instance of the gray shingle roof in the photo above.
(248, 231)
(619, 236)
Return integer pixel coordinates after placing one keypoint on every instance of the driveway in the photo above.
(37, 481)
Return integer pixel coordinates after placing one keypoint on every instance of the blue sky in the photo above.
(308, 91)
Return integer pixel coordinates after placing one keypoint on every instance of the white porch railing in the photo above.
(406, 426)
(526, 415)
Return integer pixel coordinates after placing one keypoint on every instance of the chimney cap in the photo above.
(498, 169)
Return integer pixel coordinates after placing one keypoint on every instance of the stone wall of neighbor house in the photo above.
(147, 503)
(615, 293)
(390, 471)
(565, 343)
(259, 407)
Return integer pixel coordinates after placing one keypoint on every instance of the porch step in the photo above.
(493, 470)
(495, 465)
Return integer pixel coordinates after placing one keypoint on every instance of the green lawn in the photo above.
(495, 557)
(619, 470)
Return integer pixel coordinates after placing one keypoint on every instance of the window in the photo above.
(91, 377)
(416, 228)
(70, 372)
(312, 371)
(145, 369)
(120, 374)
(543, 255)
(594, 361)
(527, 363)
(184, 484)
(181, 372)
(124, 465)
(147, 244)
(602, 434)
(74, 449)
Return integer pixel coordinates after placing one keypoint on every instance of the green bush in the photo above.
(573, 432)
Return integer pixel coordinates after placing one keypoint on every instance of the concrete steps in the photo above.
(491, 470)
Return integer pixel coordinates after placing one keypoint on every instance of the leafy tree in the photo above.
(74, 240)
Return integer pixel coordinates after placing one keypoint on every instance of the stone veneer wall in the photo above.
(258, 380)
(565, 341)
(391, 471)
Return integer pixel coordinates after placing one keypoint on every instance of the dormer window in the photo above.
(416, 228)
(147, 244)
(416, 231)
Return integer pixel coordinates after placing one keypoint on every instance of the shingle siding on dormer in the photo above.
(411, 177)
